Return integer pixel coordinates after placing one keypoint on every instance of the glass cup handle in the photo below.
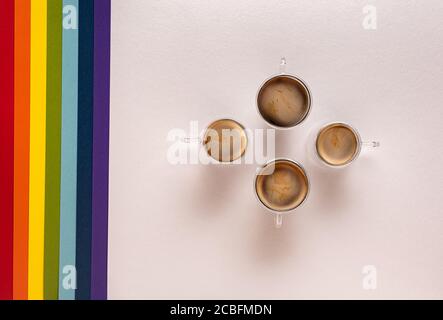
(370, 144)
(278, 220)
(283, 65)
(190, 140)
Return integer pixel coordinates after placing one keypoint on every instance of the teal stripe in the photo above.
(68, 195)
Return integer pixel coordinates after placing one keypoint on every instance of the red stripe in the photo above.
(6, 146)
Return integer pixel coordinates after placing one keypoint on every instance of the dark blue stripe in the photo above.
(84, 152)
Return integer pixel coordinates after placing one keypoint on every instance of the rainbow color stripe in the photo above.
(54, 141)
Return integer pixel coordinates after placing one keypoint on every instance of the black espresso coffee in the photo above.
(282, 185)
(225, 140)
(337, 144)
(284, 101)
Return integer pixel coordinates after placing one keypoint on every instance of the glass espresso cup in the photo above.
(224, 140)
(281, 186)
(284, 101)
(338, 144)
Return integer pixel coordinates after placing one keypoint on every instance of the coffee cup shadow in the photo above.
(214, 187)
(270, 245)
(330, 191)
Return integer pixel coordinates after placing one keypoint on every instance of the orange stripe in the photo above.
(21, 147)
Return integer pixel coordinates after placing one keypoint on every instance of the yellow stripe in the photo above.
(37, 149)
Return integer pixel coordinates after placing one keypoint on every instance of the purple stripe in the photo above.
(100, 161)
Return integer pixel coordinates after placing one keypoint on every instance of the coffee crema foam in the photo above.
(284, 101)
(225, 140)
(282, 185)
(337, 144)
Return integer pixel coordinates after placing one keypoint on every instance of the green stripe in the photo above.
(53, 148)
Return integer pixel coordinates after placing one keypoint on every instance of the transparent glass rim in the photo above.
(293, 77)
(357, 135)
(215, 161)
(285, 212)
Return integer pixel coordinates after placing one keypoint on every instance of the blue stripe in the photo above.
(68, 189)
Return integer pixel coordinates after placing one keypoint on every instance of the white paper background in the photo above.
(197, 232)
